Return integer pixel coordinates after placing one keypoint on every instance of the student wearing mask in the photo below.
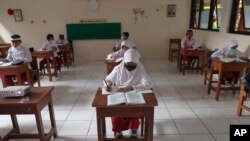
(130, 75)
(125, 45)
(124, 37)
(189, 42)
(16, 53)
(51, 44)
(229, 51)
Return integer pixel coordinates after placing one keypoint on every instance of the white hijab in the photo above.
(136, 78)
(231, 44)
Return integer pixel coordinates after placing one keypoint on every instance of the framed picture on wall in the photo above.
(171, 10)
(18, 15)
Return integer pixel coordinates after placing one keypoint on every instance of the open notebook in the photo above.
(227, 60)
(126, 98)
(114, 91)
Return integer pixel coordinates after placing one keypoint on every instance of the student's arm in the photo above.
(44, 47)
(9, 57)
(183, 42)
(218, 54)
(27, 57)
(111, 78)
(145, 82)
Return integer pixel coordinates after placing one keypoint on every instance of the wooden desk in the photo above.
(242, 97)
(3, 50)
(47, 55)
(65, 50)
(33, 103)
(111, 64)
(221, 67)
(140, 110)
(17, 70)
(188, 53)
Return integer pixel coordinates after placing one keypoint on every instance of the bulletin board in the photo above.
(90, 31)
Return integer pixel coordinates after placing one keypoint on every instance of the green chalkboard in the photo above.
(87, 31)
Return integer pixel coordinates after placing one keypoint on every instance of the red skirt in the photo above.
(124, 123)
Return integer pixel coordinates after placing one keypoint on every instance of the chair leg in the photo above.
(205, 78)
(142, 126)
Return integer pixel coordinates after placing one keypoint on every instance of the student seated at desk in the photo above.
(125, 45)
(131, 75)
(229, 51)
(61, 40)
(15, 53)
(51, 44)
(189, 42)
(124, 37)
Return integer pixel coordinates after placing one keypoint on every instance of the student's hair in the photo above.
(49, 36)
(125, 34)
(189, 31)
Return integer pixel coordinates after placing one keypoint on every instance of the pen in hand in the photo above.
(108, 88)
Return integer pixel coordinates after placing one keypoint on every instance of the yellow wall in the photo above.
(219, 39)
(150, 33)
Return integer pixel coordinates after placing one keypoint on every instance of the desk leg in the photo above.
(149, 125)
(218, 86)
(29, 78)
(184, 65)
(52, 118)
(202, 63)
(19, 80)
(15, 123)
(40, 126)
(210, 80)
(198, 64)
(100, 126)
(49, 69)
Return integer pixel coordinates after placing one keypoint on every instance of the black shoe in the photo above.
(119, 135)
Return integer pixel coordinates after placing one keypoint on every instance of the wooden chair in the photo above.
(207, 69)
(174, 47)
(244, 94)
(34, 72)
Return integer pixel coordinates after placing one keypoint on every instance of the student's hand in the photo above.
(126, 89)
(108, 87)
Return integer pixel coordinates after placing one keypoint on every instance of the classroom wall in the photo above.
(150, 33)
(219, 39)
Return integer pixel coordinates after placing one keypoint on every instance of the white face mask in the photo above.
(231, 51)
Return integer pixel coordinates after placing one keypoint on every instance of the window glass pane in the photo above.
(197, 11)
(247, 13)
(217, 14)
(239, 18)
(205, 14)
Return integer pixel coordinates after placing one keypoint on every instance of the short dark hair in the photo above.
(125, 34)
(189, 31)
(49, 36)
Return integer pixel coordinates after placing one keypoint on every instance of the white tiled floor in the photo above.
(185, 111)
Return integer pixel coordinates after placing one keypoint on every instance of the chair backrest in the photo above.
(175, 42)
(209, 57)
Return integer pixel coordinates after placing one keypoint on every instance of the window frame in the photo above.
(210, 18)
(235, 5)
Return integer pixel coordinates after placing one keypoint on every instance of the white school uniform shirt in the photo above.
(64, 41)
(192, 42)
(225, 51)
(50, 45)
(19, 53)
(136, 78)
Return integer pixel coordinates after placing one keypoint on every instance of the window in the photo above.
(206, 14)
(240, 17)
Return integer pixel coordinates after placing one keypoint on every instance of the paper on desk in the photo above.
(1, 62)
(6, 64)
